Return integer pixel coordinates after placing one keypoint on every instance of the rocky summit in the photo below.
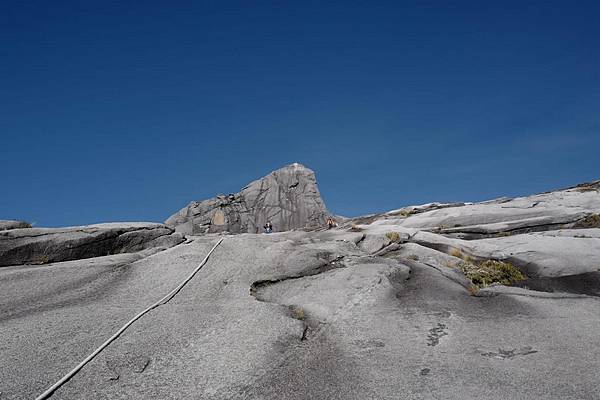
(288, 198)
(491, 300)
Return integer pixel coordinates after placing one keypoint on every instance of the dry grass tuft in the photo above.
(393, 236)
(591, 221)
(44, 259)
(491, 271)
(473, 290)
(407, 212)
(456, 253)
(298, 313)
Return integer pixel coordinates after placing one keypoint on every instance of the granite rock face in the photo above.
(46, 245)
(296, 315)
(288, 197)
(6, 224)
(575, 207)
(380, 308)
(553, 237)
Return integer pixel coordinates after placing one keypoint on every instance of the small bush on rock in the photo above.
(393, 236)
(456, 253)
(406, 212)
(44, 259)
(473, 290)
(591, 221)
(298, 313)
(491, 271)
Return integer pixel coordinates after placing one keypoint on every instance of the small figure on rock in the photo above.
(331, 223)
(268, 227)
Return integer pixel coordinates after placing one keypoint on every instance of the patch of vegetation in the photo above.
(413, 257)
(406, 212)
(491, 271)
(44, 259)
(393, 236)
(449, 264)
(502, 234)
(591, 221)
(456, 253)
(473, 290)
(298, 313)
(588, 187)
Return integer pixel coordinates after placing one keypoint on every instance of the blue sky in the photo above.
(118, 110)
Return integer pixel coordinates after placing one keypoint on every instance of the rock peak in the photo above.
(287, 197)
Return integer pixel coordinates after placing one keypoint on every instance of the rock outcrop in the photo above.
(288, 198)
(576, 207)
(552, 237)
(45, 245)
(6, 224)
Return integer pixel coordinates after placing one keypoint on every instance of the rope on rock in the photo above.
(160, 302)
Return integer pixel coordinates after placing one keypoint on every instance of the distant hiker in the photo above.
(331, 223)
(268, 227)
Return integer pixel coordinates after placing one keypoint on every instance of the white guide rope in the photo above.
(162, 301)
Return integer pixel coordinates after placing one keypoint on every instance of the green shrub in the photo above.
(491, 271)
(413, 257)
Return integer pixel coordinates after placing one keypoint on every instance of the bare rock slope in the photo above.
(382, 308)
(288, 197)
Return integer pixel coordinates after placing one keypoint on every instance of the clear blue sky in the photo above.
(122, 110)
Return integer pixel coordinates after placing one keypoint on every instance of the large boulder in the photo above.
(44, 245)
(288, 197)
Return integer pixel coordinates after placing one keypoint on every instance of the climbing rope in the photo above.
(160, 302)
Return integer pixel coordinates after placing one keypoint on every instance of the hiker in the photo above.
(268, 227)
(331, 223)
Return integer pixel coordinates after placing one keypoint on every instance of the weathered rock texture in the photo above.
(381, 310)
(45, 245)
(6, 224)
(288, 197)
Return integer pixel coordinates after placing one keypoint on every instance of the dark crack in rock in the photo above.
(507, 354)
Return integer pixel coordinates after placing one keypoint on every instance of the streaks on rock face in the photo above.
(436, 333)
(507, 354)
